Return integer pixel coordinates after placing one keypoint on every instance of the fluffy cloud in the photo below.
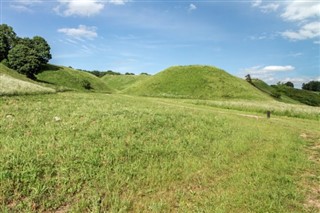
(306, 14)
(307, 31)
(269, 69)
(79, 8)
(82, 32)
(192, 7)
(84, 7)
(301, 10)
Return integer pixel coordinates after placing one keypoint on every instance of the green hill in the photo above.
(72, 79)
(303, 96)
(195, 81)
(289, 94)
(13, 83)
(120, 82)
(273, 92)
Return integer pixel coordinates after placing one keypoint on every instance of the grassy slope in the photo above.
(202, 82)
(288, 94)
(13, 83)
(149, 155)
(303, 96)
(72, 79)
(120, 82)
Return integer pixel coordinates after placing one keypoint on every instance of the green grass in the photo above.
(275, 107)
(288, 94)
(303, 96)
(121, 82)
(199, 82)
(91, 152)
(68, 78)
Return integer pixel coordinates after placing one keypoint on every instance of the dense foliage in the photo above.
(312, 85)
(7, 40)
(289, 84)
(302, 96)
(24, 55)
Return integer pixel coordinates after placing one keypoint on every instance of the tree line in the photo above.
(25, 55)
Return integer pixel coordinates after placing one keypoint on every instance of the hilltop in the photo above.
(198, 82)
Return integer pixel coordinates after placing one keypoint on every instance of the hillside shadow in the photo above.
(49, 67)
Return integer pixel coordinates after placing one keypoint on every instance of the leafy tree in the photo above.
(24, 55)
(312, 86)
(289, 84)
(24, 60)
(7, 40)
(40, 45)
(42, 48)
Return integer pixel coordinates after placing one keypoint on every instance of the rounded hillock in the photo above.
(73, 79)
(196, 81)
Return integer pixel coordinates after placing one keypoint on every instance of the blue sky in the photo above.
(271, 40)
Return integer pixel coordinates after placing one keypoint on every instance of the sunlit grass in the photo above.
(276, 108)
(13, 86)
(73, 152)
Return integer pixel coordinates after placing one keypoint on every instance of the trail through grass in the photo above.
(76, 152)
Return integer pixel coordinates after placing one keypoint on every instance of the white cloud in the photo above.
(82, 32)
(301, 10)
(269, 69)
(307, 31)
(79, 8)
(306, 14)
(192, 7)
(256, 3)
(265, 8)
(84, 7)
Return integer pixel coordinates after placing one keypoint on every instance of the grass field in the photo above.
(89, 152)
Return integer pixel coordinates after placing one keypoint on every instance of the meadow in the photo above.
(95, 152)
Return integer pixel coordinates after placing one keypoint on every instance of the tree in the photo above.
(289, 84)
(7, 40)
(40, 45)
(312, 86)
(248, 78)
(42, 48)
(24, 60)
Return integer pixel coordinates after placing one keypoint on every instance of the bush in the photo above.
(86, 84)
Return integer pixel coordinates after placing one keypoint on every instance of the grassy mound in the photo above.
(120, 82)
(13, 83)
(72, 79)
(200, 82)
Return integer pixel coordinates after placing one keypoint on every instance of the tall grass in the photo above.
(276, 108)
(12, 86)
(74, 152)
